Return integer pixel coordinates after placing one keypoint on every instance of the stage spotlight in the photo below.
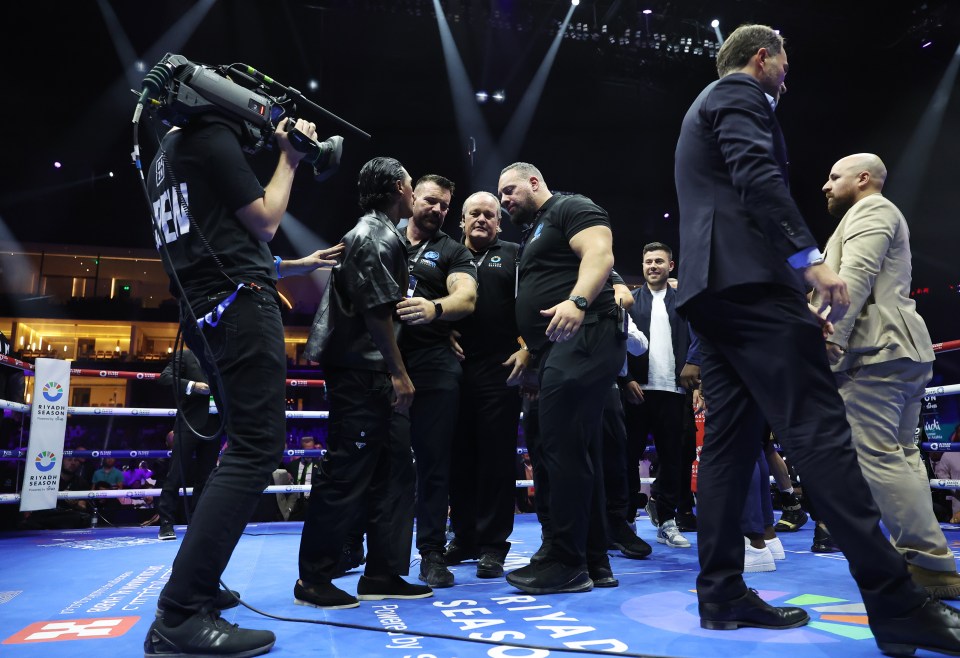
(647, 11)
(575, 3)
(313, 85)
(482, 97)
(714, 23)
(499, 96)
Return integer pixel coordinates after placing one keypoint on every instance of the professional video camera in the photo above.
(179, 92)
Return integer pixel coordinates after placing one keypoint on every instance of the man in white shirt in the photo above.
(654, 391)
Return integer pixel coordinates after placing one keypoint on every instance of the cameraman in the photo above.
(216, 219)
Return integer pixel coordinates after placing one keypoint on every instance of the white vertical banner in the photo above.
(48, 426)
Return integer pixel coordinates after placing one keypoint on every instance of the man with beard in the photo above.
(881, 356)
(567, 316)
(483, 484)
(747, 253)
(654, 390)
(442, 287)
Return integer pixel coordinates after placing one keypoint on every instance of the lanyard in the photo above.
(416, 257)
(213, 317)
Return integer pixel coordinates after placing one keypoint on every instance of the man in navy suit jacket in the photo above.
(748, 257)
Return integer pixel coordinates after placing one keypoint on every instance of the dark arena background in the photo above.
(594, 96)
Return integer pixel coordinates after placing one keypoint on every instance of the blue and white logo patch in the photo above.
(432, 255)
(536, 233)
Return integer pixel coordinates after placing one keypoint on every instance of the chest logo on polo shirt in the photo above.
(495, 261)
(432, 255)
(536, 232)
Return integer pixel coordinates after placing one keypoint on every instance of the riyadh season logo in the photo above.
(52, 391)
(45, 461)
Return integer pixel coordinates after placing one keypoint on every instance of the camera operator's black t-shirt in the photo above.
(549, 267)
(439, 257)
(215, 180)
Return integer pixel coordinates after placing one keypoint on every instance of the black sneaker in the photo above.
(823, 541)
(378, 588)
(541, 553)
(550, 577)
(455, 553)
(166, 532)
(490, 566)
(433, 570)
(323, 595)
(205, 634)
(626, 541)
(226, 599)
(686, 521)
(791, 520)
(351, 558)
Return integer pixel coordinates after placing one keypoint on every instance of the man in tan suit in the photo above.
(881, 355)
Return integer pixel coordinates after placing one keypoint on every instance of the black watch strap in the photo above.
(580, 302)
(438, 309)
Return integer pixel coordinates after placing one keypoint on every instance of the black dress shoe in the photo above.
(550, 577)
(749, 610)
(602, 575)
(490, 566)
(625, 540)
(455, 553)
(686, 522)
(823, 541)
(933, 626)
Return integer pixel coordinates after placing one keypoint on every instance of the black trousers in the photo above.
(362, 475)
(191, 462)
(615, 481)
(662, 413)
(764, 359)
(575, 378)
(247, 345)
(436, 376)
(483, 479)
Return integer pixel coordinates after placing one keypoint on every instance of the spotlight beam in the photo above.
(912, 167)
(519, 124)
(470, 122)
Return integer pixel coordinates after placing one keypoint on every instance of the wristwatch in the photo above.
(581, 302)
(438, 309)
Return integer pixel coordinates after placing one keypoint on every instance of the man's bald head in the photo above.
(851, 179)
(866, 162)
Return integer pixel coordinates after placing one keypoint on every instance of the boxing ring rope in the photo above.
(20, 454)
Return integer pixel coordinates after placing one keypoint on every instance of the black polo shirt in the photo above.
(491, 330)
(549, 267)
(430, 262)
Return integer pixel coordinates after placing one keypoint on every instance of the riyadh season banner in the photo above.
(48, 425)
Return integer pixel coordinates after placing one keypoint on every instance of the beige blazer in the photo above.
(870, 250)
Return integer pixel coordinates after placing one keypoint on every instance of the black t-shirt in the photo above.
(491, 330)
(372, 272)
(549, 267)
(430, 262)
(215, 180)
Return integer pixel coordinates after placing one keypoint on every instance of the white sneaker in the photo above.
(776, 548)
(756, 560)
(669, 534)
